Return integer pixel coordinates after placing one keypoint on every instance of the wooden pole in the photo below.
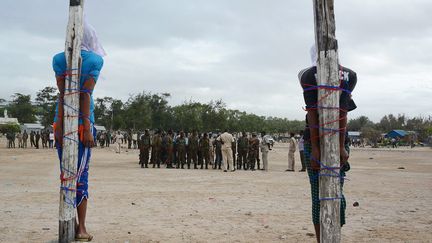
(328, 74)
(69, 161)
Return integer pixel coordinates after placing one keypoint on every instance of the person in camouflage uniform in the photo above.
(181, 150)
(144, 146)
(156, 149)
(253, 151)
(205, 150)
(242, 144)
(193, 150)
(168, 148)
(218, 153)
(234, 152)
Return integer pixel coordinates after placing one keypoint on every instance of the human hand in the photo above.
(316, 156)
(343, 156)
(88, 139)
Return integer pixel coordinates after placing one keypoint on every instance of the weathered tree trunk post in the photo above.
(328, 74)
(69, 161)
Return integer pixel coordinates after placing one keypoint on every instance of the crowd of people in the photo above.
(44, 136)
(196, 150)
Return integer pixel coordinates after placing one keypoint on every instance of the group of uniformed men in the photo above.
(199, 149)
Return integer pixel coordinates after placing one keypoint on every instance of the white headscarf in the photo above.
(314, 55)
(90, 41)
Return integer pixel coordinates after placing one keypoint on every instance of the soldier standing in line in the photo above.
(205, 150)
(145, 144)
(181, 150)
(156, 149)
(253, 151)
(242, 144)
(234, 152)
(32, 139)
(199, 153)
(25, 137)
(211, 148)
(170, 149)
(193, 150)
(38, 136)
(218, 153)
(19, 137)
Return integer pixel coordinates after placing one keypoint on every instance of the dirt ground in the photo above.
(130, 204)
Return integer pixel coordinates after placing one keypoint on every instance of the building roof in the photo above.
(396, 133)
(8, 120)
(100, 128)
(33, 126)
(354, 133)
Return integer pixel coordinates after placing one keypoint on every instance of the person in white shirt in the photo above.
(291, 151)
(301, 149)
(265, 148)
(118, 138)
(226, 139)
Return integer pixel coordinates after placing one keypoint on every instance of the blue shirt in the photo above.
(91, 66)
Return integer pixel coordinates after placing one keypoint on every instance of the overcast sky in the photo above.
(245, 52)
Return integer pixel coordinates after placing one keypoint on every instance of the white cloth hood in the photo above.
(90, 41)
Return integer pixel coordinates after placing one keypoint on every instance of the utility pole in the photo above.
(74, 34)
(328, 110)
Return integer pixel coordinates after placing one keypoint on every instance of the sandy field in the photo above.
(130, 204)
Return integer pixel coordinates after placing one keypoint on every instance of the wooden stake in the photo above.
(328, 74)
(69, 161)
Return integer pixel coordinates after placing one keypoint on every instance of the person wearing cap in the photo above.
(226, 140)
(91, 65)
(308, 79)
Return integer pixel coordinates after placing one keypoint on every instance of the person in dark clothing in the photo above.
(312, 139)
(38, 136)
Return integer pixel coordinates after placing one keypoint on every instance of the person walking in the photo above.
(265, 148)
(291, 151)
(226, 140)
(118, 138)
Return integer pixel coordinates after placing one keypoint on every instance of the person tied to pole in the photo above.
(92, 62)
(312, 153)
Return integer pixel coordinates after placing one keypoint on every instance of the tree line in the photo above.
(421, 125)
(148, 110)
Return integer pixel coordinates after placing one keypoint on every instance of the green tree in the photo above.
(21, 108)
(46, 105)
